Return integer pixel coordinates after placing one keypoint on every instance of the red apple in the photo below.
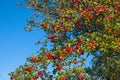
(36, 76)
(50, 37)
(81, 52)
(81, 76)
(39, 72)
(64, 78)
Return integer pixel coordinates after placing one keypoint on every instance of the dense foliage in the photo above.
(76, 29)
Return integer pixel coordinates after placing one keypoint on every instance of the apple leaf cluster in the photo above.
(74, 27)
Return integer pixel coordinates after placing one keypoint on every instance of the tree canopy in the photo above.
(76, 29)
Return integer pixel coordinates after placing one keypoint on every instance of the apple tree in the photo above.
(76, 29)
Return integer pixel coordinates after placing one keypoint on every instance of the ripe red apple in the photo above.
(74, 49)
(116, 8)
(78, 0)
(60, 24)
(39, 72)
(81, 76)
(81, 52)
(44, 25)
(77, 45)
(80, 40)
(50, 37)
(74, 1)
(68, 49)
(36, 76)
(53, 25)
(75, 62)
(29, 68)
(33, 60)
(59, 66)
(64, 78)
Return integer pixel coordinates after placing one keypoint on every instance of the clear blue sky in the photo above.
(15, 43)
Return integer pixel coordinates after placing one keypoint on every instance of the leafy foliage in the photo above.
(74, 27)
